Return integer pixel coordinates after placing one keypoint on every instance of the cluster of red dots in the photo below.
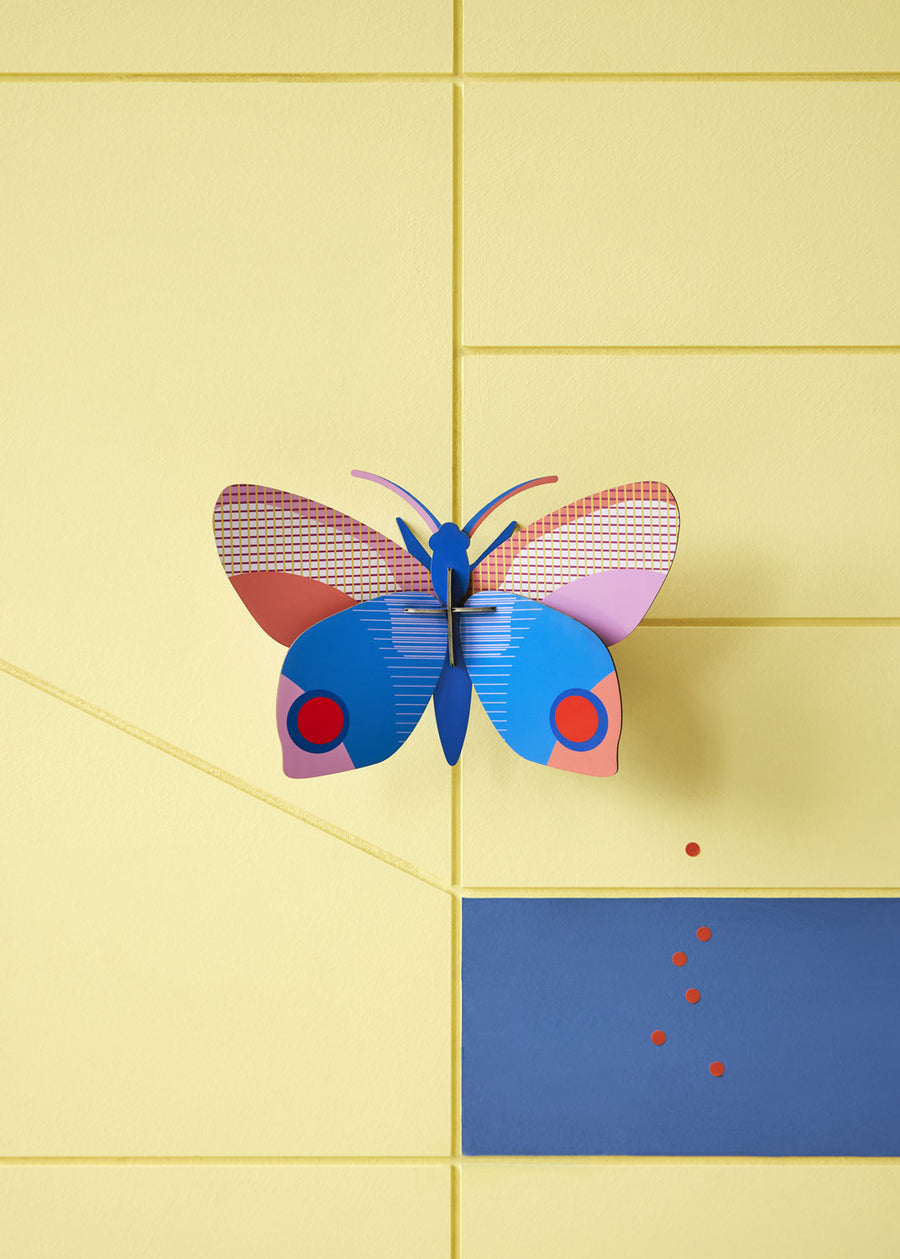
(692, 996)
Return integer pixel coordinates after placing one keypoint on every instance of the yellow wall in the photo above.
(269, 242)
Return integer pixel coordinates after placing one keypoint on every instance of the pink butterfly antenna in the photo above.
(481, 516)
(423, 511)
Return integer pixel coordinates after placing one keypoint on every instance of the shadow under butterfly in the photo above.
(375, 630)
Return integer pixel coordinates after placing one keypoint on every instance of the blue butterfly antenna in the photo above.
(498, 541)
(423, 511)
(480, 516)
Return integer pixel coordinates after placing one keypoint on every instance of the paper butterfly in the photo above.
(375, 630)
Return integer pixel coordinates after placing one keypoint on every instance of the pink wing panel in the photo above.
(601, 559)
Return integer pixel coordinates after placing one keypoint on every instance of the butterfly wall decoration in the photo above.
(375, 630)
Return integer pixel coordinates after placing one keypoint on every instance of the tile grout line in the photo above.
(224, 1160)
(162, 76)
(455, 1208)
(589, 351)
(684, 76)
(455, 1246)
(443, 76)
(222, 775)
(537, 892)
(456, 298)
(416, 1160)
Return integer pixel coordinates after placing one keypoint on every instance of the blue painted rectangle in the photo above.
(799, 1000)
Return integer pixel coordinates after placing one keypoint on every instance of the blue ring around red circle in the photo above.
(294, 732)
(599, 734)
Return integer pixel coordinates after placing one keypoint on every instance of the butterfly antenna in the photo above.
(423, 511)
(481, 516)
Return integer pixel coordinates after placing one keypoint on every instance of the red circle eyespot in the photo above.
(320, 720)
(692, 849)
(576, 718)
(692, 995)
(658, 1037)
(679, 959)
(703, 933)
(717, 1068)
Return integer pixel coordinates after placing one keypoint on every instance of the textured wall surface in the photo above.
(460, 244)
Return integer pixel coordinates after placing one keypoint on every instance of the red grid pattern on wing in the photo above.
(631, 526)
(264, 530)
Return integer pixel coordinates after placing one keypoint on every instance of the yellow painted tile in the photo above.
(681, 213)
(226, 1212)
(784, 466)
(774, 749)
(186, 971)
(205, 284)
(196, 36)
(650, 36)
(830, 1208)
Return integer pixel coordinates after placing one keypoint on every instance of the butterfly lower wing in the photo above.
(353, 687)
(547, 683)
(294, 561)
(601, 560)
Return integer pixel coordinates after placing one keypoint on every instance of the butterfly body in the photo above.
(382, 629)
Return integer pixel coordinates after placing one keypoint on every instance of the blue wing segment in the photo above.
(798, 1007)
(546, 681)
(354, 686)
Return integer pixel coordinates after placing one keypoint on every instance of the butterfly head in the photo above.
(449, 562)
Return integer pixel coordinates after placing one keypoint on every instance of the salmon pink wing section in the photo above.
(601, 560)
(294, 561)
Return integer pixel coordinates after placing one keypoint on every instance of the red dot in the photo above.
(692, 995)
(692, 849)
(717, 1068)
(703, 933)
(320, 720)
(576, 718)
(658, 1037)
(679, 959)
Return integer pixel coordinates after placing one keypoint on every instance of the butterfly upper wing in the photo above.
(601, 560)
(294, 561)
(353, 687)
(546, 681)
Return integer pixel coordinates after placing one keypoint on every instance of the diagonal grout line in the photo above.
(589, 351)
(223, 776)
